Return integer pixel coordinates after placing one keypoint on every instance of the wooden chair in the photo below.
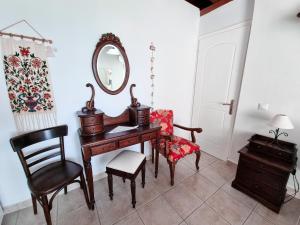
(52, 177)
(173, 147)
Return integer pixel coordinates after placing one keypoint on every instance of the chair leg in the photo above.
(172, 171)
(132, 184)
(33, 198)
(198, 154)
(152, 156)
(46, 209)
(84, 188)
(143, 174)
(110, 185)
(66, 190)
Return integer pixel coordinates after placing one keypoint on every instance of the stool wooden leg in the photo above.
(143, 175)
(110, 185)
(132, 184)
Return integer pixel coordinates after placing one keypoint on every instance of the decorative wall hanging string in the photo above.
(152, 76)
(42, 39)
(28, 81)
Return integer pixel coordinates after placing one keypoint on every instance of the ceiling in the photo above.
(207, 6)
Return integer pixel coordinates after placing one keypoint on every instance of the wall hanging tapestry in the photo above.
(28, 84)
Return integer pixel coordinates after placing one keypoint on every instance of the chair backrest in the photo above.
(164, 118)
(20, 142)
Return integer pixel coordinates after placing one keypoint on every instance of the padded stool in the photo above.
(127, 165)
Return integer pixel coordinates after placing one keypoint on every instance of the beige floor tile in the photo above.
(10, 219)
(182, 200)
(239, 196)
(132, 219)
(214, 175)
(183, 223)
(226, 169)
(159, 212)
(288, 215)
(111, 212)
(81, 216)
(200, 186)
(26, 217)
(205, 160)
(255, 219)
(205, 216)
(71, 201)
(232, 210)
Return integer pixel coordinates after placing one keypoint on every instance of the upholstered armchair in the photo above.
(173, 147)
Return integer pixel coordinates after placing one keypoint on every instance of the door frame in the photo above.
(195, 118)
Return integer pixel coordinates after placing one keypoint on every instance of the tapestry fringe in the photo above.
(34, 121)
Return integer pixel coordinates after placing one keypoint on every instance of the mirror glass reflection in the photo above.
(111, 67)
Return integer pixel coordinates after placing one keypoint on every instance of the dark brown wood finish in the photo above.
(111, 39)
(106, 142)
(207, 6)
(263, 178)
(52, 177)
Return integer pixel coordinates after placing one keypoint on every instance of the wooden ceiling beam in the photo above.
(207, 6)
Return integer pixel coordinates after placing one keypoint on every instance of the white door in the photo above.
(221, 60)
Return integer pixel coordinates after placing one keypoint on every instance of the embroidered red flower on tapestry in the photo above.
(14, 61)
(27, 83)
(36, 63)
(24, 51)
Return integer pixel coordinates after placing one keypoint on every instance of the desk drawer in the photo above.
(149, 136)
(128, 142)
(103, 148)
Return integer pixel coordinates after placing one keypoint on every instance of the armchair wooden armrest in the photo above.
(192, 130)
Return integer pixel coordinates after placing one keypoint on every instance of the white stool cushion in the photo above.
(127, 161)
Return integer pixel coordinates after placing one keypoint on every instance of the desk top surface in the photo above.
(87, 141)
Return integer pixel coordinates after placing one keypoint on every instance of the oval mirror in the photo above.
(110, 64)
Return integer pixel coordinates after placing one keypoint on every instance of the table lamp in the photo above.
(280, 121)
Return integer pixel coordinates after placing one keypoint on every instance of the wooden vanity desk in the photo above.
(106, 142)
(97, 134)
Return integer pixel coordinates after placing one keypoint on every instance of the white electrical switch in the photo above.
(263, 106)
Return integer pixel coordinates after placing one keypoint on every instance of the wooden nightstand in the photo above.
(263, 177)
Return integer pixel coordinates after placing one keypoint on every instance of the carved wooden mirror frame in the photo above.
(110, 39)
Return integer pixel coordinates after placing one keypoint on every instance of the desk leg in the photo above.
(142, 147)
(90, 181)
(156, 156)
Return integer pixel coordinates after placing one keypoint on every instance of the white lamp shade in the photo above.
(281, 121)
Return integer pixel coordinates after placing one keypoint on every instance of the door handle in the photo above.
(230, 106)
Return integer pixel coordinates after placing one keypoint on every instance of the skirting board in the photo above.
(28, 202)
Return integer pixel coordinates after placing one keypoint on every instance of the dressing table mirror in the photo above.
(110, 64)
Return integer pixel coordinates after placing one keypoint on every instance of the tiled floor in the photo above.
(203, 198)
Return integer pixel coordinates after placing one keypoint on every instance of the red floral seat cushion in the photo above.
(180, 147)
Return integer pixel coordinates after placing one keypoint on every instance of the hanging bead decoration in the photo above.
(152, 76)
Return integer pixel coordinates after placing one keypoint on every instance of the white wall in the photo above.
(75, 27)
(272, 72)
(234, 12)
